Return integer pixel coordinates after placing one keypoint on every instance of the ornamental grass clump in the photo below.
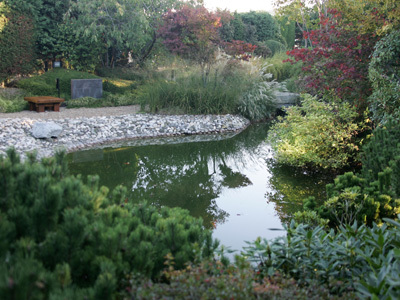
(189, 92)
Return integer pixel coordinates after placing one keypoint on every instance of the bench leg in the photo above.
(39, 108)
(56, 107)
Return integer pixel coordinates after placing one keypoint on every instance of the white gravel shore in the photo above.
(89, 127)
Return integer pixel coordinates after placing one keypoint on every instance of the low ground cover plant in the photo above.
(214, 280)
(108, 100)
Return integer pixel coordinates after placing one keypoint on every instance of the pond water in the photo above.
(231, 182)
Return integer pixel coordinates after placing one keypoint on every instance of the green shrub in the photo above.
(381, 152)
(355, 258)
(129, 74)
(45, 84)
(384, 74)
(12, 101)
(118, 86)
(9, 106)
(317, 135)
(107, 101)
(86, 102)
(353, 198)
(275, 46)
(311, 218)
(60, 235)
(373, 194)
(262, 50)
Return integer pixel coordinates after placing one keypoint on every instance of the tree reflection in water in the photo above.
(188, 175)
(218, 180)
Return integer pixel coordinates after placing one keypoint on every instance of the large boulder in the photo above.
(45, 130)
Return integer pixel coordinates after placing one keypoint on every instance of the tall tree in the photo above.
(121, 26)
(266, 27)
(193, 33)
(304, 12)
(49, 19)
(17, 44)
(337, 65)
(288, 30)
(367, 15)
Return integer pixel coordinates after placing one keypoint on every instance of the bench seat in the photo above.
(39, 104)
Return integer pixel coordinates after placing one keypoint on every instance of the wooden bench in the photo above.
(41, 103)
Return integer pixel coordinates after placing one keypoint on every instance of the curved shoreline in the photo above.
(81, 132)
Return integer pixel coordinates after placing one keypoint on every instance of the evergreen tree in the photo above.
(17, 44)
(63, 238)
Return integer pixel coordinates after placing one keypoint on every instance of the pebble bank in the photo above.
(100, 131)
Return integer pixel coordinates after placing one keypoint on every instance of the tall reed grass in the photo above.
(188, 91)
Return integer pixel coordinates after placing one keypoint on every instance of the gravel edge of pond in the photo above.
(85, 128)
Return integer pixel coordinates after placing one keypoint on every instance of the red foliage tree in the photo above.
(337, 63)
(191, 32)
(239, 49)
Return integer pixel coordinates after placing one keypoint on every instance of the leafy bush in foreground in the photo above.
(354, 258)
(60, 237)
(213, 280)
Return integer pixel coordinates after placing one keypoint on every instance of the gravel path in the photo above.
(73, 113)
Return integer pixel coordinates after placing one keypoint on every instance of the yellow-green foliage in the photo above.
(317, 135)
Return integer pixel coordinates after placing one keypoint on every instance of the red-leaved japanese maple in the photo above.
(337, 63)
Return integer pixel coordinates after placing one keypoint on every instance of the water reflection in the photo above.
(229, 183)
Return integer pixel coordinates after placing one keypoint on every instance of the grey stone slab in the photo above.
(86, 88)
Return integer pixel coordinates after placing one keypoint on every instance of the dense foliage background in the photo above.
(63, 238)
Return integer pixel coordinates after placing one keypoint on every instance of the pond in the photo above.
(230, 181)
